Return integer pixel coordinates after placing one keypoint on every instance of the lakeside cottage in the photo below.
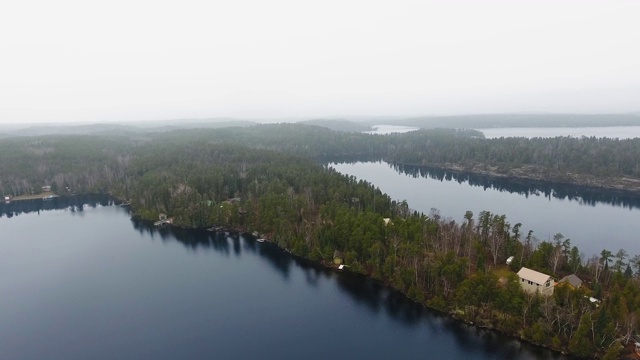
(532, 281)
(338, 257)
(163, 220)
(46, 188)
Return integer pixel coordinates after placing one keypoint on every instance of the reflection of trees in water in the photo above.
(220, 242)
(277, 258)
(375, 297)
(364, 291)
(495, 345)
(526, 188)
(76, 203)
(312, 272)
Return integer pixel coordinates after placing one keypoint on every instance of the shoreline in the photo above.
(330, 266)
(41, 196)
(620, 185)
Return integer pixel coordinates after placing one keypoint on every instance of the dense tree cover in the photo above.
(85, 163)
(608, 163)
(601, 162)
(586, 161)
(338, 125)
(253, 180)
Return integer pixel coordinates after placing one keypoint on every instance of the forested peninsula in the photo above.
(272, 179)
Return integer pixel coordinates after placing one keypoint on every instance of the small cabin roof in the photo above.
(338, 254)
(532, 275)
(572, 280)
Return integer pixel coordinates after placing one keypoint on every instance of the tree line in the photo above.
(250, 179)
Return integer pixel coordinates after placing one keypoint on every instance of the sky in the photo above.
(89, 61)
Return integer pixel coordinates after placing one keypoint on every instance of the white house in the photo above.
(532, 281)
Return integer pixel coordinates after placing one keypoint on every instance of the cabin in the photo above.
(532, 281)
(46, 188)
(571, 280)
(163, 220)
(338, 257)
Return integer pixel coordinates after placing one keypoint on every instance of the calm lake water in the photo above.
(592, 219)
(81, 280)
(620, 132)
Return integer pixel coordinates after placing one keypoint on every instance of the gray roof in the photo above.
(572, 280)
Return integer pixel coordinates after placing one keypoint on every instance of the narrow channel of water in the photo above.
(593, 220)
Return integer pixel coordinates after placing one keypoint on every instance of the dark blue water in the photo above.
(593, 219)
(86, 282)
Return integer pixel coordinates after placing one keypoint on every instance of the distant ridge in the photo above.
(338, 125)
(117, 128)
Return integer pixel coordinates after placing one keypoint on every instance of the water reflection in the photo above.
(75, 204)
(526, 188)
(364, 292)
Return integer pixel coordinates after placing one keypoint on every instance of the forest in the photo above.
(271, 179)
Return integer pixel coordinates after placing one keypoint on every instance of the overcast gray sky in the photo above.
(133, 60)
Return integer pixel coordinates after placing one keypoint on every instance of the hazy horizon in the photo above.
(75, 62)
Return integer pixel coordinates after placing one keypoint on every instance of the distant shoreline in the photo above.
(33, 196)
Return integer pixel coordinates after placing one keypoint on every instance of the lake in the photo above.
(593, 219)
(81, 280)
